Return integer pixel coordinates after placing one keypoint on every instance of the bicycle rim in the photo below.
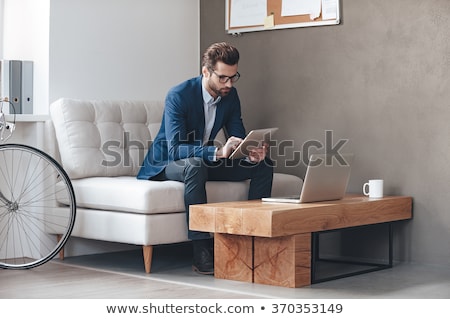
(37, 207)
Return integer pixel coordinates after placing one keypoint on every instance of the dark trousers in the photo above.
(194, 173)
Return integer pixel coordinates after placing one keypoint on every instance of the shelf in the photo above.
(27, 117)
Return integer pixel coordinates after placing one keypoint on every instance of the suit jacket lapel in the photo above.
(199, 109)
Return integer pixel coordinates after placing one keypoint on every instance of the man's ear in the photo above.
(205, 71)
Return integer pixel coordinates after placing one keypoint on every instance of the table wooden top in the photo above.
(267, 219)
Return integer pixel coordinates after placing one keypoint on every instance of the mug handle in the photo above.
(364, 189)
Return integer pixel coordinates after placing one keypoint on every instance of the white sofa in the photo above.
(101, 145)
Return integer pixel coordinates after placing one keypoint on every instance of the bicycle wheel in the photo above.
(37, 207)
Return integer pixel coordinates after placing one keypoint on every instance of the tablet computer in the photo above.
(254, 139)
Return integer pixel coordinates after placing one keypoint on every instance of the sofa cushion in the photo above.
(128, 194)
(104, 138)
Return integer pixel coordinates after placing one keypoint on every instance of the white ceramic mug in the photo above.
(374, 188)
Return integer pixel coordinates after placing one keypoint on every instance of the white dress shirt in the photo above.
(210, 106)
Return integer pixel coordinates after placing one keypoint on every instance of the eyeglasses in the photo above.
(224, 78)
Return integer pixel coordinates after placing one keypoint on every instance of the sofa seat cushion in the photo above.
(128, 194)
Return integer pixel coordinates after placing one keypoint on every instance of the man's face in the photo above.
(214, 78)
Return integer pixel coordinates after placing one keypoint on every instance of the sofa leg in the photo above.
(61, 252)
(148, 253)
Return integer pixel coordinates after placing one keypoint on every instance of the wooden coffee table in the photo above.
(270, 243)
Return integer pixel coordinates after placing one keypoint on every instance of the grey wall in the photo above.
(381, 80)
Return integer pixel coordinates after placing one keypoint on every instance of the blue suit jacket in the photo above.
(183, 125)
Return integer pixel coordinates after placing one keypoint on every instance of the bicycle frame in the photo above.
(5, 127)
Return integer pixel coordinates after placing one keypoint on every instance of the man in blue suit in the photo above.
(183, 150)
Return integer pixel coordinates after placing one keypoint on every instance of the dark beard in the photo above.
(218, 92)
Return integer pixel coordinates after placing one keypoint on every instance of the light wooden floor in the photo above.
(54, 280)
(121, 275)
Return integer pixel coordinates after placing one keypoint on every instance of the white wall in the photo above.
(25, 37)
(103, 49)
(122, 49)
(1, 28)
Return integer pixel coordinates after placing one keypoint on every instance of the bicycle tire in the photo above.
(37, 207)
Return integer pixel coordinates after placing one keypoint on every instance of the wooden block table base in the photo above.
(270, 243)
(233, 257)
(281, 261)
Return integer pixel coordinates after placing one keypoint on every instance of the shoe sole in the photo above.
(202, 272)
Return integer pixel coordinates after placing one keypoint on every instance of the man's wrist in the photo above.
(215, 154)
(219, 153)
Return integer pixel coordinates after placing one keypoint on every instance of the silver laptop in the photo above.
(326, 178)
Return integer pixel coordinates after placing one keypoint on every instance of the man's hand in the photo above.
(258, 154)
(229, 147)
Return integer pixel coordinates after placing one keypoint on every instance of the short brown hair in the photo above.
(222, 52)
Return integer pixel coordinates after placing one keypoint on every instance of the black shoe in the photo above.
(203, 256)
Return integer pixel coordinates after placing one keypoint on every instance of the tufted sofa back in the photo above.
(104, 138)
